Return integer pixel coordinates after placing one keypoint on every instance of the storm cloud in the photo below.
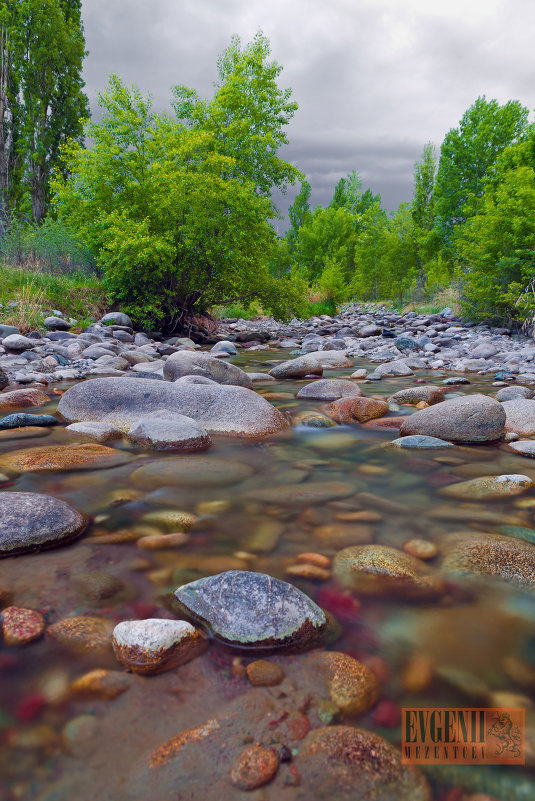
(375, 79)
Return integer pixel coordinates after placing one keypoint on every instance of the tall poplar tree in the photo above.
(42, 103)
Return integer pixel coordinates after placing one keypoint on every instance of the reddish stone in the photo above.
(30, 707)
(21, 626)
(387, 713)
(254, 767)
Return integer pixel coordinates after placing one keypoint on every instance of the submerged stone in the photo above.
(488, 487)
(480, 554)
(22, 420)
(421, 442)
(253, 610)
(154, 645)
(30, 521)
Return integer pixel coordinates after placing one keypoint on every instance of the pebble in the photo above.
(421, 549)
(21, 626)
(101, 684)
(310, 572)
(83, 634)
(357, 410)
(488, 487)
(352, 686)
(316, 559)
(80, 736)
(158, 542)
(254, 767)
(155, 645)
(263, 673)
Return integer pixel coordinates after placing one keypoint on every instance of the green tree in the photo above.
(176, 214)
(399, 247)
(328, 236)
(368, 276)
(10, 111)
(466, 155)
(497, 246)
(299, 214)
(49, 52)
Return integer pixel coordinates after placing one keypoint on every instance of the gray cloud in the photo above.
(375, 79)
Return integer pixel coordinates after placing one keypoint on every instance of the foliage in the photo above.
(176, 208)
(41, 96)
(466, 155)
(497, 247)
(50, 247)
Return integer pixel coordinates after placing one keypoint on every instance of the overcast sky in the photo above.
(375, 79)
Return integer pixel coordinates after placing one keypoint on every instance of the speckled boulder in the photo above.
(154, 645)
(491, 555)
(351, 686)
(218, 409)
(30, 521)
(61, 457)
(488, 488)
(22, 399)
(253, 610)
(471, 418)
(329, 389)
(420, 392)
(381, 571)
(186, 362)
(349, 764)
(520, 416)
(165, 431)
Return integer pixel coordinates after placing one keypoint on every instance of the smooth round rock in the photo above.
(263, 673)
(56, 324)
(18, 343)
(352, 686)
(164, 431)
(253, 610)
(378, 570)
(117, 318)
(61, 457)
(520, 416)
(470, 418)
(229, 410)
(421, 392)
(490, 555)
(421, 442)
(21, 626)
(309, 492)
(101, 432)
(524, 447)
(488, 487)
(225, 347)
(83, 634)
(510, 393)
(297, 368)
(357, 410)
(421, 549)
(393, 369)
(22, 420)
(190, 471)
(30, 521)
(186, 362)
(101, 684)
(329, 389)
(255, 766)
(349, 764)
(155, 645)
(22, 398)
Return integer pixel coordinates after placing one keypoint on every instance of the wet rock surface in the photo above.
(253, 610)
(472, 418)
(30, 521)
(154, 645)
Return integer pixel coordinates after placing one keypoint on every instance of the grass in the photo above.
(449, 296)
(37, 294)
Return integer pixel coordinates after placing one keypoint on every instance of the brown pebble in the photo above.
(21, 626)
(314, 559)
(422, 549)
(417, 674)
(160, 541)
(83, 634)
(360, 516)
(311, 572)
(422, 405)
(102, 684)
(254, 767)
(263, 673)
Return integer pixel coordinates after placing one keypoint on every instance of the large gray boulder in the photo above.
(471, 418)
(30, 521)
(252, 610)
(219, 409)
(187, 362)
(520, 416)
(311, 364)
(330, 389)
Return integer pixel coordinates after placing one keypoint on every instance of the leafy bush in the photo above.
(177, 208)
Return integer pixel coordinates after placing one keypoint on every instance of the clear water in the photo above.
(467, 641)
